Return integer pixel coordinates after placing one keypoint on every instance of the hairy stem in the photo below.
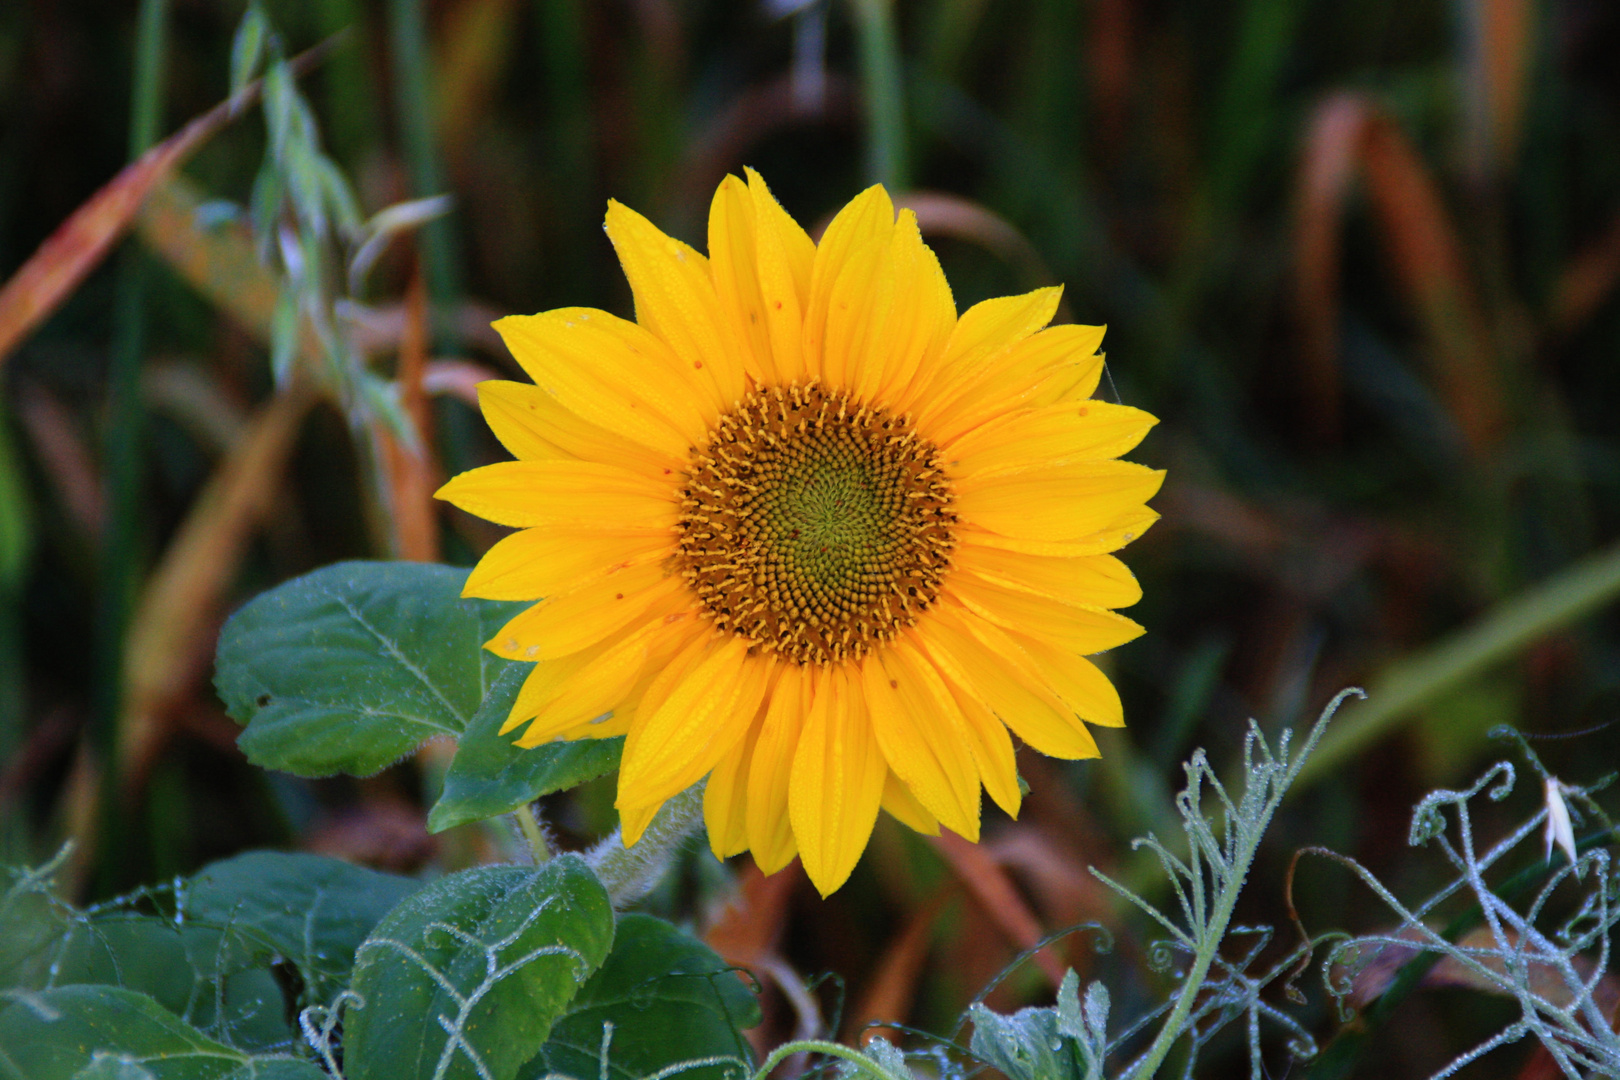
(629, 873)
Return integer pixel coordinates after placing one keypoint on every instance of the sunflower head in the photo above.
(804, 531)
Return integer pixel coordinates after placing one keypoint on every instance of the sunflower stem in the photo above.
(629, 873)
(534, 833)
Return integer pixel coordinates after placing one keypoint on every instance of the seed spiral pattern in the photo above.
(814, 524)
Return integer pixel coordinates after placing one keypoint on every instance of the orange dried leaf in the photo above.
(988, 882)
(1428, 263)
(80, 243)
(410, 473)
(1499, 43)
(1581, 289)
(893, 988)
(171, 634)
(1332, 147)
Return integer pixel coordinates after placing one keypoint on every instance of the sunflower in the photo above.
(802, 530)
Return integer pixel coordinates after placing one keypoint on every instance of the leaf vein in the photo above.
(403, 661)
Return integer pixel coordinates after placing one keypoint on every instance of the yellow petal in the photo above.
(1070, 382)
(785, 255)
(733, 247)
(559, 492)
(1021, 377)
(838, 774)
(676, 301)
(532, 424)
(598, 687)
(798, 251)
(770, 832)
(847, 259)
(1063, 502)
(1066, 433)
(540, 562)
(610, 726)
(1084, 630)
(1093, 580)
(1081, 683)
(982, 336)
(614, 374)
(576, 620)
(540, 687)
(725, 798)
(922, 735)
(903, 806)
(981, 659)
(633, 821)
(992, 750)
(698, 724)
(907, 330)
(696, 639)
(1119, 531)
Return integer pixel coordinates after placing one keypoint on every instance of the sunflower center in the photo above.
(814, 524)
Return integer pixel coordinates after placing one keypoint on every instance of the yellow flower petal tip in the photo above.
(805, 532)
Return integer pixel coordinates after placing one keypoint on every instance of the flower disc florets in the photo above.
(814, 524)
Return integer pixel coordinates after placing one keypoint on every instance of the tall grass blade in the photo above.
(878, 46)
(1395, 696)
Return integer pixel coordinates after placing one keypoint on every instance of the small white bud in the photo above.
(1559, 830)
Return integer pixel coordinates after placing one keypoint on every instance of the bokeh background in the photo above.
(1360, 258)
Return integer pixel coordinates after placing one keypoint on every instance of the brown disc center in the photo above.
(814, 524)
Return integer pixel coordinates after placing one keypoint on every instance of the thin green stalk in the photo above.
(568, 99)
(125, 421)
(418, 110)
(817, 1046)
(1405, 687)
(879, 51)
(16, 542)
(151, 51)
(414, 101)
(534, 834)
(1214, 932)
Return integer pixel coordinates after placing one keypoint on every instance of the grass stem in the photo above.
(881, 76)
(120, 554)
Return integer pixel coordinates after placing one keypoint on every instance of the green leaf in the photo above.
(248, 47)
(71, 1031)
(465, 978)
(32, 924)
(1024, 1046)
(352, 667)
(669, 998)
(111, 1066)
(216, 978)
(313, 910)
(490, 775)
